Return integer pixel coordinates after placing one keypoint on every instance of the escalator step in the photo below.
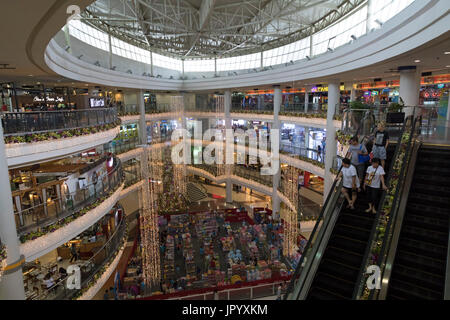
(430, 179)
(349, 258)
(353, 232)
(425, 210)
(361, 221)
(422, 248)
(413, 292)
(429, 223)
(347, 243)
(317, 293)
(433, 237)
(420, 262)
(334, 284)
(431, 200)
(442, 190)
(425, 279)
(333, 267)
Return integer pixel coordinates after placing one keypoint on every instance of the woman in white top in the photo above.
(374, 180)
(350, 182)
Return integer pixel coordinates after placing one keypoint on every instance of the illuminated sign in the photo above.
(58, 99)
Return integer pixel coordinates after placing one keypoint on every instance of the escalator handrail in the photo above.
(299, 268)
(399, 192)
(358, 291)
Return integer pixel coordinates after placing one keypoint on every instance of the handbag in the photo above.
(369, 179)
(363, 158)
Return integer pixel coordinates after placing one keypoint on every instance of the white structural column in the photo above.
(142, 122)
(331, 146)
(277, 98)
(11, 282)
(409, 88)
(307, 96)
(370, 7)
(348, 86)
(448, 109)
(227, 108)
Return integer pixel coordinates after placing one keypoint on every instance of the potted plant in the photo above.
(395, 114)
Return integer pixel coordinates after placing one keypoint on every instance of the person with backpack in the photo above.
(360, 157)
(374, 181)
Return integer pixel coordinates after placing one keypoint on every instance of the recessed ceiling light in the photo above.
(447, 52)
(447, 66)
(417, 61)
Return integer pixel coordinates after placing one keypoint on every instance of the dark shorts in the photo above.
(374, 196)
(350, 190)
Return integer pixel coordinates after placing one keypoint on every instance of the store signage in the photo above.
(57, 99)
(325, 89)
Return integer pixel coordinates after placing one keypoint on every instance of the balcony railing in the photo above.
(253, 173)
(40, 217)
(88, 268)
(20, 123)
(133, 109)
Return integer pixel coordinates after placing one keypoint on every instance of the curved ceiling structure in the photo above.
(214, 28)
(420, 29)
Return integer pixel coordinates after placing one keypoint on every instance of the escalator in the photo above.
(419, 268)
(339, 268)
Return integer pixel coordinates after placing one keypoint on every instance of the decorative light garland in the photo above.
(290, 186)
(149, 226)
(61, 134)
(3, 257)
(103, 274)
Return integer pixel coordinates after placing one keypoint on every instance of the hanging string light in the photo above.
(290, 187)
(149, 226)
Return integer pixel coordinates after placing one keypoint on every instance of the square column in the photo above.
(331, 146)
(11, 282)
(409, 88)
(228, 120)
(142, 122)
(277, 98)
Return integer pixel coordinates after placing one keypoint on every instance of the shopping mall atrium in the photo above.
(225, 150)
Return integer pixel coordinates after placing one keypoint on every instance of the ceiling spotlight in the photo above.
(379, 22)
(447, 52)
(330, 49)
(353, 37)
(447, 66)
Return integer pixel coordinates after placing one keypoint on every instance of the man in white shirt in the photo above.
(350, 182)
(374, 180)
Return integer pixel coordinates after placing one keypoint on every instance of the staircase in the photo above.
(420, 262)
(340, 265)
(195, 192)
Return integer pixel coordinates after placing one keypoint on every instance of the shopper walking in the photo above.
(350, 182)
(359, 157)
(73, 251)
(374, 180)
(279, 292)
(381, 142)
